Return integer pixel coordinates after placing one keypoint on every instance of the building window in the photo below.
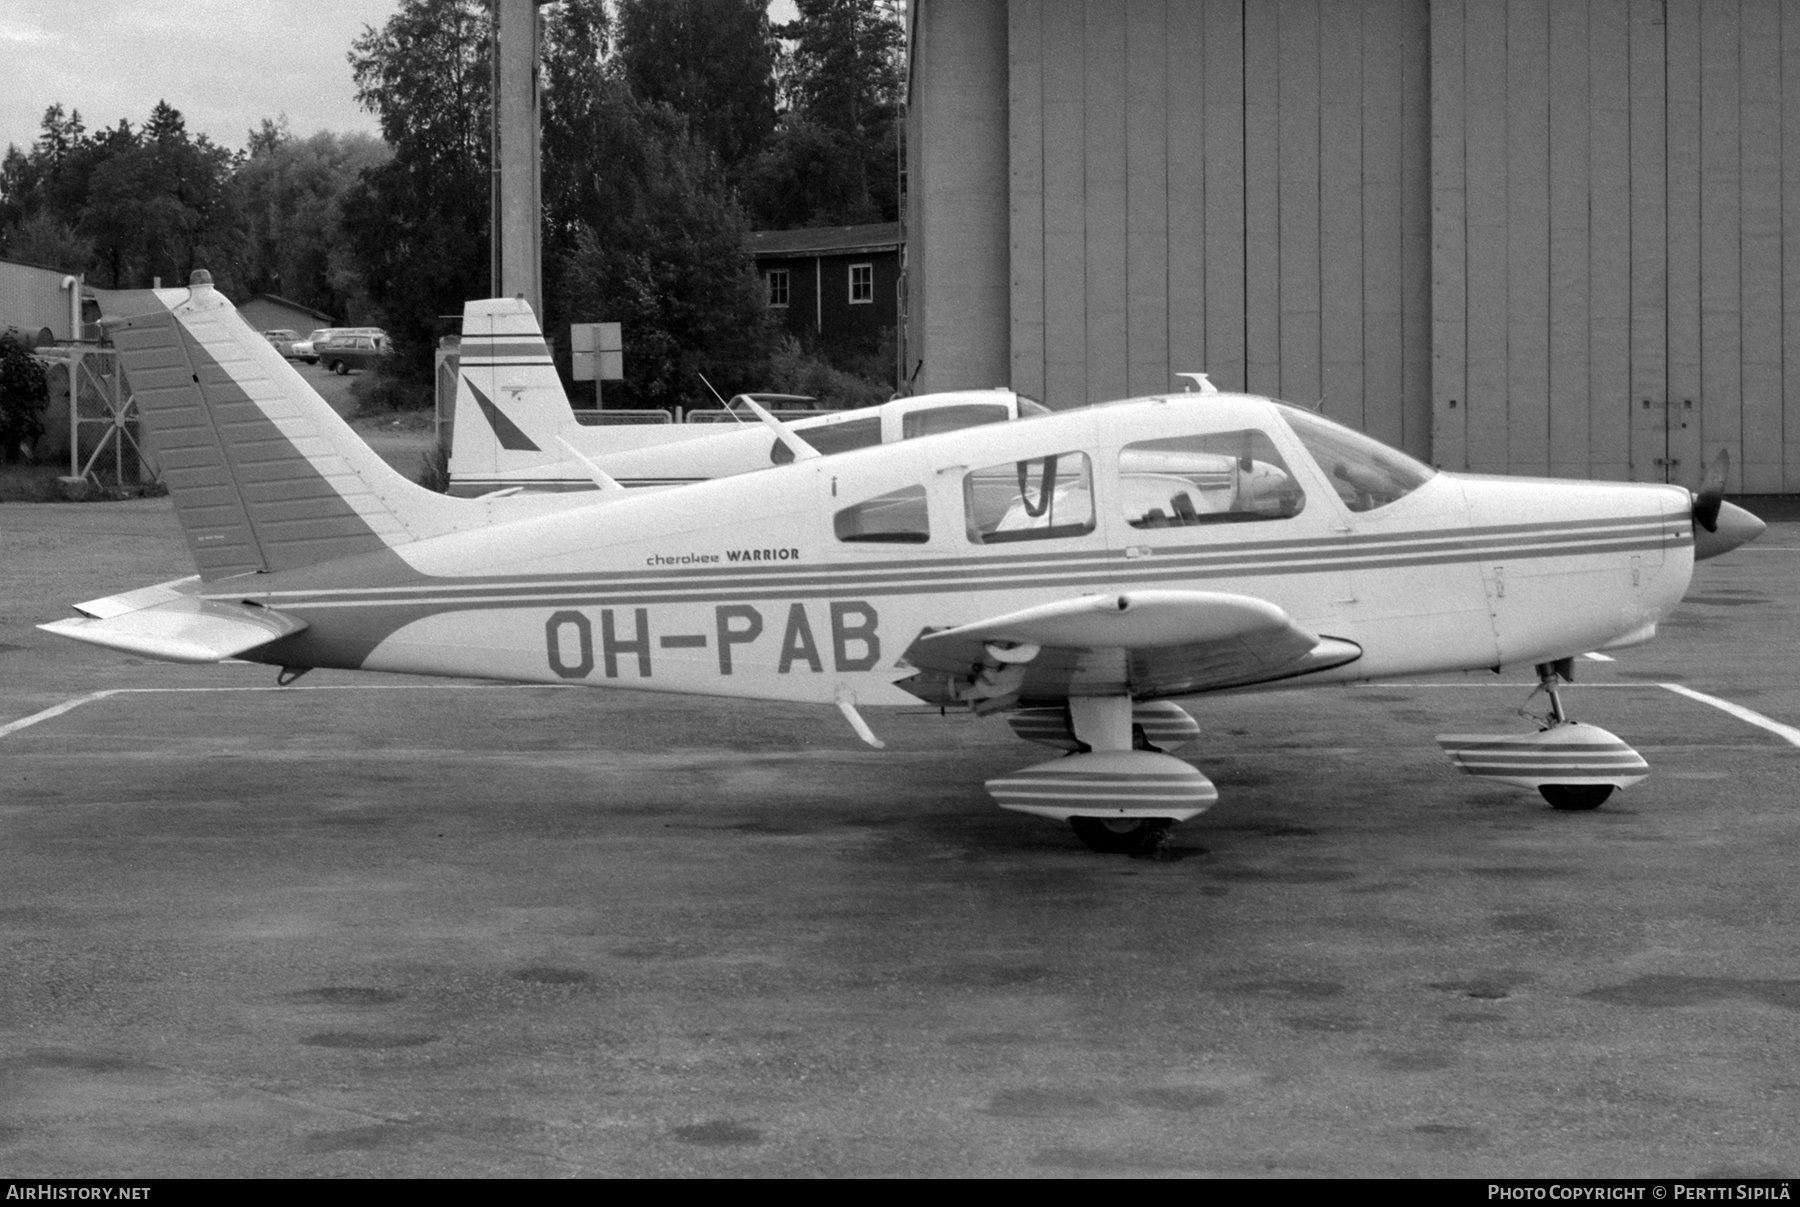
(778, 288)
(862, 283)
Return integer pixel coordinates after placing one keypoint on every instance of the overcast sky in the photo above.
(226, 64)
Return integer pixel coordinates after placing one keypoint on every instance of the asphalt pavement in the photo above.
(367, 925)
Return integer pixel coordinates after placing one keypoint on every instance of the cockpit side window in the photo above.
(832, 438)
(1366, 473)
(899, 517)
(1037, 499)
(1216, 478)
(930, 421)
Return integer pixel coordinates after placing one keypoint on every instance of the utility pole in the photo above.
(516, 217)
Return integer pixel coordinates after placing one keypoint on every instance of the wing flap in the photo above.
(183, 629)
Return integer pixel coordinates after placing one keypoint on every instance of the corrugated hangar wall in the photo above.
(1616, 241)
(1519, 236)
(1222, 186)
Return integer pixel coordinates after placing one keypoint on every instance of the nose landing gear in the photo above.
(1573, 765)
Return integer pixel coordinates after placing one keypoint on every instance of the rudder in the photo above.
(264, 474)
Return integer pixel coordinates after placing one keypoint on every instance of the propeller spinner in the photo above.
(1712, 492)
(1720, 527)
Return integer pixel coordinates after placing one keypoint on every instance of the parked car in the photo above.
(303, 349)
(282, 340)
(350, 348)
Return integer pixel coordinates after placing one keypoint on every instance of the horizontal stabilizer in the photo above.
(184, 629)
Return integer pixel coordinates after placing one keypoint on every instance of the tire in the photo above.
(340, 368)
(1575, 798)
(1121, 836)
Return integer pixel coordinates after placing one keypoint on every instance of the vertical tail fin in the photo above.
(510, 404)
(264, 474)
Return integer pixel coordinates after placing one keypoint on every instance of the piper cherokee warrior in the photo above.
(1078, 571)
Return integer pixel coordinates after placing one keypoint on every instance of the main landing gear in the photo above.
(1573, 765)
(1118, 790)
(1121, 835)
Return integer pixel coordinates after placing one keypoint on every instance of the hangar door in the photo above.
(1235, 186)
(1616, 238)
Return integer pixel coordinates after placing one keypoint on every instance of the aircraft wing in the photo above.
(170, 621)
(1142, 643)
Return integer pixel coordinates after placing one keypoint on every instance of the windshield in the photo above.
(1366, 473)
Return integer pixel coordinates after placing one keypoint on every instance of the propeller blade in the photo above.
(1712, 492)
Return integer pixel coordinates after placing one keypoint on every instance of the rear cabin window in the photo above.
(832, 438)
(1039, 499)
(899, 517)
(949, 419)
(1217, 478)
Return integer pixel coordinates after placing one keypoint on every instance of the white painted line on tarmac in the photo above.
(1512, 686)
(57, 710)
(1786, 732)
(1597, 657)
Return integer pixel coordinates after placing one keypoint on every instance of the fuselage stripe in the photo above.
(1248, 554)
(822, 582)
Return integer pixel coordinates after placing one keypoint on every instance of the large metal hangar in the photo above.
(1510, 236)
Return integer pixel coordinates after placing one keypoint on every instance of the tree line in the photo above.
(670, 128)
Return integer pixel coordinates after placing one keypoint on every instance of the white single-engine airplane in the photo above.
(514, 429)
(1079, 570)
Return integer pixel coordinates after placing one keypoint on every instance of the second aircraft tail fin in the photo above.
(511, 410)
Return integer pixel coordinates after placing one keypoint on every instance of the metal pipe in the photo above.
(518, 215)
(72, 283)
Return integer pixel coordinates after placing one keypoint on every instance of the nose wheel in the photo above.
(1573, 765)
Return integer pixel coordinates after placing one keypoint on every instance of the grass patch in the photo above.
(43, 484)
(379, 393)
(30, 484)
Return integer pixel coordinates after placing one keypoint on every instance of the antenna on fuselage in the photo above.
(726, 406)
(1201, 384)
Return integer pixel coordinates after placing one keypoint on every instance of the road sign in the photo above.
(599, 352)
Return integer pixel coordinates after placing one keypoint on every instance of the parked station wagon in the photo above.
(343, 351)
